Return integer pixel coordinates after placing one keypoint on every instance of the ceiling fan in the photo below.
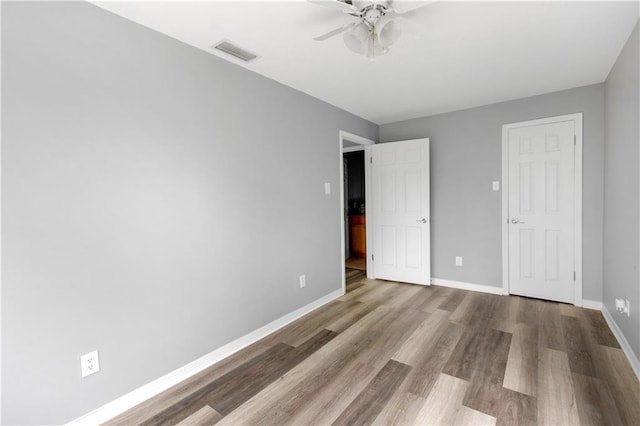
(375, 28)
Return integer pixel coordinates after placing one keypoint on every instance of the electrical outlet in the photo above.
(458, 260)
(623, 306)
(89, 363)
(303, 281)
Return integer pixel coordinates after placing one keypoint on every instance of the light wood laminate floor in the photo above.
(390, 353)
(356, 263)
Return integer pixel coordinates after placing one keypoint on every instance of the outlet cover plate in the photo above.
(89, 363)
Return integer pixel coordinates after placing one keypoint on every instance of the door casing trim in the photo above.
(577, 188)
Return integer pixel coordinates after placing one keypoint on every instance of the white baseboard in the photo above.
(133, 398)
(467, 286)
(633, 359)
(592, 304)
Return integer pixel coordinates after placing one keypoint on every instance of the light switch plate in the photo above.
(327, 188)
(495, 185)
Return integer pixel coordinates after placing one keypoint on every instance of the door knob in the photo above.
(516, 221)
(423, 220)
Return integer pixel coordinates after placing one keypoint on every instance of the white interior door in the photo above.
(400, 198)
(541, 203)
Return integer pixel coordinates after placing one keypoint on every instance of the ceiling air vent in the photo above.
(234, 50)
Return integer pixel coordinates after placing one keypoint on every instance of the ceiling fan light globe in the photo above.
(389, 33)
(356, 39)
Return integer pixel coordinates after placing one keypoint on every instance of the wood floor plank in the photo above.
(251, 379)
(233, 389)
(445, 399)
(268, 361)
(297, 390)
(578, 348)
(356, 311)
(485, 385)
(522, 363)
(529, 311)
(550, 333)
(393, 330)
(412, 350)
(464, 308)
(568, 310)
(615, 370)
(436, 296)
(556, 397)
(376, 345)
(451, 302)
(476, 308)
(368, 405)
(405, 296)
(380, 294)
(280, 400)
(468, 416)
(474, 350)
(356, 293)
(309, 325)
(487, 304)
(504, 316)
(176, 393)
(517, 409)
(206, 416)
(596, 406)
(424, 298)
(328, 401)
(598, 328)
(354, 276)
(402, 409)
(428, 367)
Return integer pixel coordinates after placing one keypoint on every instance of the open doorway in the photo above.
(354, 200)
(355, 211)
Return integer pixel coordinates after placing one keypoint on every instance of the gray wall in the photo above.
(466, 156)
(621, 201)
(158, 203)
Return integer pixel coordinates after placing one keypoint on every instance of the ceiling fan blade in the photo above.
(335, 4)
(337, 31)
(405, 6)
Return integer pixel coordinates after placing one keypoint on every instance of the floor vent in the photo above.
(234, 50)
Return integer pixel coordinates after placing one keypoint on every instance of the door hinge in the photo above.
(574, 140)
(574, 275)
(370, 160)
(372, 257)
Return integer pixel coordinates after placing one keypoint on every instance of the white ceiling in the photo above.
(469, 54)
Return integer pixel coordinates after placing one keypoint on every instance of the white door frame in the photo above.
(365, 145)
(577, 230)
